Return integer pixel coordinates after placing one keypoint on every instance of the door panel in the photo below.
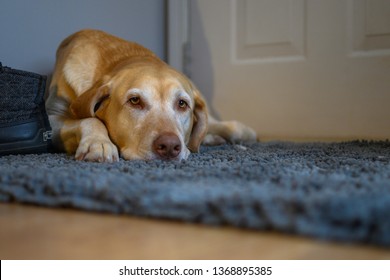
(272, 28)
(369, 27)
(295, 69)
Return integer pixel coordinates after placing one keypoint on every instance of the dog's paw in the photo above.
(213, 140)
(240, 133)
(98, 150)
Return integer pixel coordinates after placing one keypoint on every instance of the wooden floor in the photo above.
(28, 232)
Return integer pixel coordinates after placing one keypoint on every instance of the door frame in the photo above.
(178, 31)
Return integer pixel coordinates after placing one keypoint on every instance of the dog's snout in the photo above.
(167, 146)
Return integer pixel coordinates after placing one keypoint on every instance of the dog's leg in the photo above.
(230, 131)
(87, 138)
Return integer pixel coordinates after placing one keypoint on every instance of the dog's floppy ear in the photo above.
(84, 105)
(199, 128)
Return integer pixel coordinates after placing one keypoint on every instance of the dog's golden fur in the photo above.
(110, 98)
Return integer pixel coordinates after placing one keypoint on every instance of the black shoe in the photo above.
(24, 125)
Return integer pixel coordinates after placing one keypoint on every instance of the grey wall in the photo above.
(31, 30)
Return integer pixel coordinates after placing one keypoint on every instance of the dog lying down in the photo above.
(110, 98)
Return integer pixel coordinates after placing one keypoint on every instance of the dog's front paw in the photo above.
(98, 150)
(240, 133)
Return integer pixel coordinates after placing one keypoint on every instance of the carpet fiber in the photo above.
(336, 191)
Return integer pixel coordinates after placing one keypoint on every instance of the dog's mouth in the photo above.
(151, 156)
(166, 147)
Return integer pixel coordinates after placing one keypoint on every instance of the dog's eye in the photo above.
(182, 104)
(135, 100)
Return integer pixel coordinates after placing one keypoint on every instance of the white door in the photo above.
(295, 69)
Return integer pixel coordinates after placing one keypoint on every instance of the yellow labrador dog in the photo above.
(110, 98)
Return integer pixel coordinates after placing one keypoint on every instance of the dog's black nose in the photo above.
(167, 146)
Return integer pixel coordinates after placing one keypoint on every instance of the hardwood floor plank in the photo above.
(29, 232)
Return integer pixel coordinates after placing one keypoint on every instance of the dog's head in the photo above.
(150, 111)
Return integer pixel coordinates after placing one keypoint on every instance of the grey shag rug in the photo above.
(336, 191)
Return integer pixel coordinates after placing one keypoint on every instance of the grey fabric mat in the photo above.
(337, 191)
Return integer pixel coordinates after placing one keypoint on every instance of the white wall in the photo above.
(31, 30)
